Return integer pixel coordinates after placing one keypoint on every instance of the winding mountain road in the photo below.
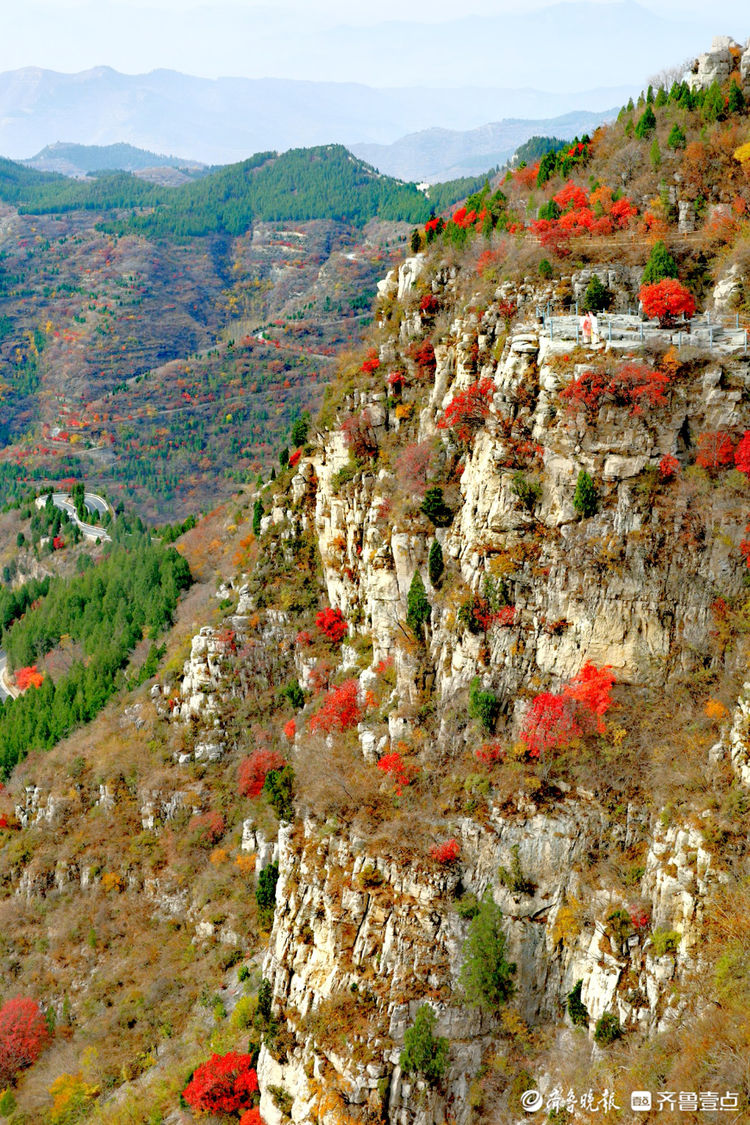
(94, 503)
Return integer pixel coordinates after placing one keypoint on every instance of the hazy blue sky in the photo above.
(311, 38)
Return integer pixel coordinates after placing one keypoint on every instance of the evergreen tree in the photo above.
(486, 974)
(655, 154)
(660, 264)
(300, 430)
(714, 107)
(661, 97)
(416, 241)
(257, 516)
(736, 103)
(284, 457)
(597, 296)
(423, 1054)
(585, 498)
(418, 609)
(646, 123)
(435, 507)
(435, 565)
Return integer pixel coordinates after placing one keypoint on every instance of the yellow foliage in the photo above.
(404, 410)
(111, 881)
(618, 735)
(742, 154)
(715, 710)
(218, 855)
(70, 1095)
(567, 923)
(245, 864)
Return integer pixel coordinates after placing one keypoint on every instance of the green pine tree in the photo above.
(435, 564)
(418, 609)
(660, 264)
(655, 154)
(646, 123)
(585, 498)
(257, 516)
(486, 974)
(597, 296)
(676, 138)
(423, 1053)
(736, 103)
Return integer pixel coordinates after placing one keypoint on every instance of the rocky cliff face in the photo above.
(361, 937)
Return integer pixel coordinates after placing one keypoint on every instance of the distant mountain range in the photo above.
(446, 154)
(79, 160)
(223, 121)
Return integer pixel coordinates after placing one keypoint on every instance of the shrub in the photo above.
(418, 609)
(252, 773)
(394, 766)
(359, 435)
(483, 705)
(414, 465)
(585, 498)
(630, 384)
(332, 624)
(265, 892)
(666, 300)
(555, 720)
(466, 412)
(207, 828)
(29, 677)
(424, 1054)
(545, 268)
(279, 788)
(660, 264)
(424, 356)
(447, 852)
(23, 1034)
(252, 1117)
(665, 941)
(597, 296)
(607, 1029)
(668, 467)
(485, 974)
(577, 1010)
(340, 711)
(257, 516)
(294, 693)
(223, 1084)
(435, 507)
(435, 565)
(529, 492)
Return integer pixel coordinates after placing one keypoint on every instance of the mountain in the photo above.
(445, 154)
(225, 120)
(410, 782)
(78, 160)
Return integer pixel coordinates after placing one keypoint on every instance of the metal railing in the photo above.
(614, 327)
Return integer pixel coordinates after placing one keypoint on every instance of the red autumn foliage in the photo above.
(290, 730)
(223, 1084)
(668, 467)
(58, 543)
(413, 467)
(429, 305)
(252, 1117)
(640, 916)
(571, 198)
(359, 435)
(447, 852)
(489, 753)
(332, 624)
(424, 356)
(395, 380)
(340, 710)
(371, 362)
(666, 300)
(715, 450)
(555, 719)
(209, 827)
(303, 638)
(632, 385)
(294, 458)
(23, 1033)
(466, 412)
(742, 454)
(29, 677)
(394, 767)
(252, 773)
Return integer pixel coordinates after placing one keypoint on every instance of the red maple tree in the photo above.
(668, 467)
(715, 450)
(466, 412)
(742, 454)
(666, 300)
(340, 711)
(332, 624)
(631, 384)
(29, 677)
(23, 1033)
(223, 1084)
(447, 852)
(209, 827)
(556, 719)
